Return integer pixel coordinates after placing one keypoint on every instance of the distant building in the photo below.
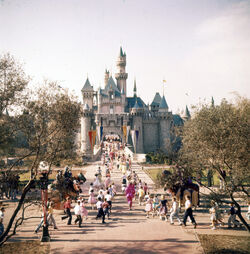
(108, 111)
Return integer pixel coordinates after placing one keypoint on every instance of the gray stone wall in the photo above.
(151, 136)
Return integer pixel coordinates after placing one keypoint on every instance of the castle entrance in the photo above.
(112, 137)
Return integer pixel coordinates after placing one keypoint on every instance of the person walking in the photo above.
(130, 193)
(100, 210)
(67, 207)
(2, 210)
(140, 195)
(174, 212)
(51, 219)
(77, 210)
(232, 217)
(189, 212)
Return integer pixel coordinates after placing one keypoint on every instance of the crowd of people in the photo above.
(9, 183)
(103, 190)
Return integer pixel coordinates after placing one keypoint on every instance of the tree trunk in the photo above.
(239, 213)
(20, 203)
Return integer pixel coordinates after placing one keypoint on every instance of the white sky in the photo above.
(201, 47)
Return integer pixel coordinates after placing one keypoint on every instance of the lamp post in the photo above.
(44, 170)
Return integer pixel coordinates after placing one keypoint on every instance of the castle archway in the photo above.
(112, 137)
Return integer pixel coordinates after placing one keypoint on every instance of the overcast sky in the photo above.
(200, 47)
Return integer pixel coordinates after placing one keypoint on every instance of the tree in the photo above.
(217, 139)
(13, 83)
(48, 119)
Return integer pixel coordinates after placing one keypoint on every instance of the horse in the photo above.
(187, 189)
(59, 192)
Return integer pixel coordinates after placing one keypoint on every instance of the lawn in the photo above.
(153, 172)
(216, 244)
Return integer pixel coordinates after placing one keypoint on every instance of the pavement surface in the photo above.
(125, 232)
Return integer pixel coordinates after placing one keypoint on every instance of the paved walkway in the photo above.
(125, 232)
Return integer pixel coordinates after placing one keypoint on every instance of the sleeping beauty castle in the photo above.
(110, 112)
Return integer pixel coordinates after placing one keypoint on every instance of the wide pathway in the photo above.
(125, 232)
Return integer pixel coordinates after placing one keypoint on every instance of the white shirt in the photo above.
(174, 207)
(77, 210)
(187, 204)
(108, 197)
(99, 204)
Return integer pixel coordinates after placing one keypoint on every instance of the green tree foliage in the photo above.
(47, 119)
(13, 82)
(217, 138)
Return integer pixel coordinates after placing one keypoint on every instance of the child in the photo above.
(51, 219)
(140, 195)
(92, 199)
(108, 198)
(149, 205)
(100, 195)
(232, 217)
(163, 208)
(174, 211)
(106, 207)
(84, 212)
(124, 183)
(100, 210)
(91, 188)
(155, 204)
(77, 210)
(145, 188)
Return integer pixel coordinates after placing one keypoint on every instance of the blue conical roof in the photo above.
(187, 113)
(156, 100)
(87, 86)
(136, 106)
(163, 103)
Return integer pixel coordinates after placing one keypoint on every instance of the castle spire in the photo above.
(187, 115)
(212, 102)
(121, 52)
(135, 88)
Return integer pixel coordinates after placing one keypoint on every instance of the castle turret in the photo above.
(85, 128)
(106, 77)
(187, 115)
(163, 107)
(88, 94)
(137, 113)
(165, 124)
(121, 76)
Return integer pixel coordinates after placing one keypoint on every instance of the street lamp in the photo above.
(44, 171)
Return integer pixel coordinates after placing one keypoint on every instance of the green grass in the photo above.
(153, 173)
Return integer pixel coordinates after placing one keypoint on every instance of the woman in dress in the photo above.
(130, 193)
(149, 205)
(92, 200)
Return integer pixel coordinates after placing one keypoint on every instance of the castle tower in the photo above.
(106, 77)
(121, 76)
(165, 123)
(137, 113)
(85, 128)
(88, 94)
